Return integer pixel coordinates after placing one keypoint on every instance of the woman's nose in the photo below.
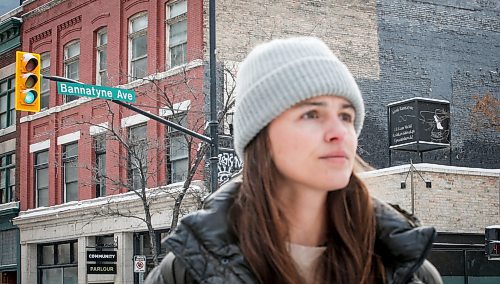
(335, 129)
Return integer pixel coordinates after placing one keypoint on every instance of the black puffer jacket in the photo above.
(205, 247)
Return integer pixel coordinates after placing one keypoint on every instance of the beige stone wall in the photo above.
(460, 200)
(348, 27)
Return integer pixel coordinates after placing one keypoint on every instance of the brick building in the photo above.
(79, 148)
(396, 50)
(459, 202)
(10, 42)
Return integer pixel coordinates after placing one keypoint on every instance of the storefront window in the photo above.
(58, 263)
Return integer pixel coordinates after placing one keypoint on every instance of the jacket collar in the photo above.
(207, 236)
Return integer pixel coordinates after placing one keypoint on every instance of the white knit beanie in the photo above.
(281, 73)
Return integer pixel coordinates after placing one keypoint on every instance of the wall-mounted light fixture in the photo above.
(428, 184)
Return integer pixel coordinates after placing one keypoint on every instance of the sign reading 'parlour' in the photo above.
(101, 268)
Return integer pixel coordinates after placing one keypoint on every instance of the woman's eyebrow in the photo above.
(304, 104)
(323, 104)
(347, 105)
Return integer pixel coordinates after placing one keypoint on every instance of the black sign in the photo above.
(101, 256)
(101, 268)
(419, 124)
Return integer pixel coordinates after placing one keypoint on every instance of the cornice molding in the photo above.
(10, 29)
(101, 16)
(69, 23)
(40, 36)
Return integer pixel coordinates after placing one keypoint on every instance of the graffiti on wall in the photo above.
(229, 164)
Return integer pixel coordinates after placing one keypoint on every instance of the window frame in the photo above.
(69, 61)
(45, 70)
(171, 21)
(37, 167)
(180, 118)
(100, 169)
(10, 186)
(56, 264)
(132, 169)
(101, 48)
(133, 35)
(9, 93)
(67, 161)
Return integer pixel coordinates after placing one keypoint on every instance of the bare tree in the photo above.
(180, 98)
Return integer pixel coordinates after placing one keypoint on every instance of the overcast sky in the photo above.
(7, 5)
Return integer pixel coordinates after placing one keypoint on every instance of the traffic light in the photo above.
(28, 81)
(492, 246)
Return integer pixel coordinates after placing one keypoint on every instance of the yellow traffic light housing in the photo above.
(28, 81)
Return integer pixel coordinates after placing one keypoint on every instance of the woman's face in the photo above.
(313, 144)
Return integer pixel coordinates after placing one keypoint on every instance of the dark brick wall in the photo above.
(8, 57)
(443, 50)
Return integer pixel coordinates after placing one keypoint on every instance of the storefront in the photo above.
(461, 259)
(77, 243)
(9, 244)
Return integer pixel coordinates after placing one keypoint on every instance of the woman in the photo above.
(298, 214)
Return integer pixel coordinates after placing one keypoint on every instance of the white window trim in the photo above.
(37, 147)
(68, 138)
(133, 120)
(8, 146)
(98, 129)
(177, 107)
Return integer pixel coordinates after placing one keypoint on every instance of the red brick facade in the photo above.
(49, 30)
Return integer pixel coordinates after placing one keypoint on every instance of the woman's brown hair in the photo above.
(261, 226)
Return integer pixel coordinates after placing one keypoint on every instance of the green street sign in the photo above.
(99, 92)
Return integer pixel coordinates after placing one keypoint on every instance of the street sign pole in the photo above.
(214, 124)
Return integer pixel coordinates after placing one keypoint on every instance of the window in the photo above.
(7, 102)
(71, 64)
(8, 247)
(45, 84)
(70, 164)
(58, 263)
(100, 165)
(102, 57)
(137, 155)
(7, 178)
(42, 178)
(177, 33)
(178, 151)
(138, 46)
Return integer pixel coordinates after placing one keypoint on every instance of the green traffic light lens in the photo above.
(30, 97)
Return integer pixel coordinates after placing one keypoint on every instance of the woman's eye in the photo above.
(310, 115)
(346, 117)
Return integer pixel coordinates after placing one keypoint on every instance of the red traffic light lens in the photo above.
(30, 62)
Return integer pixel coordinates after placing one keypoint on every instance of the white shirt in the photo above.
(306, 259)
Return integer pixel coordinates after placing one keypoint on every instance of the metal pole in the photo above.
(138, 110)
(412, 189)
(214, 124)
